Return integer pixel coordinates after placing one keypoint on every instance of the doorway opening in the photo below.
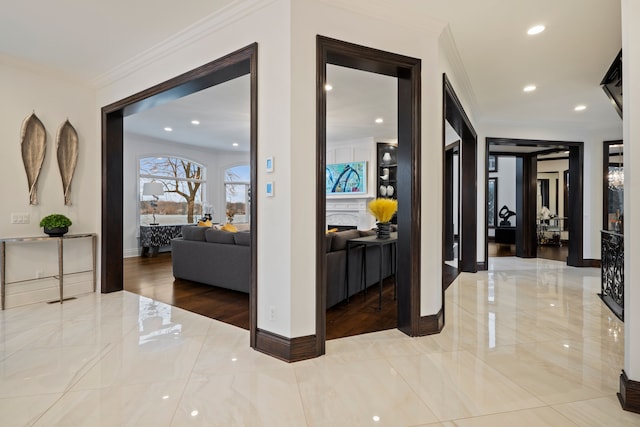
(537, 188)
(407, 72)
(456, 126)
(239, 63)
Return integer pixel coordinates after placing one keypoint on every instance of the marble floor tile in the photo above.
(369, 392)
(458, 385)
(526, 343)
(264, 398)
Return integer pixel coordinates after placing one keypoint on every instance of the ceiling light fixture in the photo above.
(529, 88)
(195, 122)
(379, 120)
(536, 29)
(168, 129)
(580, 108)
(235, 144)
(328, 87)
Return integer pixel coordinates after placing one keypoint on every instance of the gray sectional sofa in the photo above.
(336, 245)
(223, 259)
(213, 257)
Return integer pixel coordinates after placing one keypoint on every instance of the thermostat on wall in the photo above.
(269, 164)
(269, 189)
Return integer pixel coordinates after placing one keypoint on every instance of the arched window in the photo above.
(237, 191)
(173, 191)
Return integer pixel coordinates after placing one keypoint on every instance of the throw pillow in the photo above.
(229, 227)
(332, 230)
(206, 223)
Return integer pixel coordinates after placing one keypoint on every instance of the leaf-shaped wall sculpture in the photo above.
(34, 147)
(67, 157)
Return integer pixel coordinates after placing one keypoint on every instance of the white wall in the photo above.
(54, 98)
(138, 146)
(631, 108)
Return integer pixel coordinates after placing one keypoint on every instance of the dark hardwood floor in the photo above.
(556, 253)
(153, 278)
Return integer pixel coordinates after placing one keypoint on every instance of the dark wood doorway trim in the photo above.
(575, 257)
(241, 62)
(407, 70)
(454, 113)
(450, 273)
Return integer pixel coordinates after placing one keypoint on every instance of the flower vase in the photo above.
(384, 229)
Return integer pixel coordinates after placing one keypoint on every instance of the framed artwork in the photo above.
(492, 164)
(346, 178)
(492, 200)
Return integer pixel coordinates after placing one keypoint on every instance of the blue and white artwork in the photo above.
(347, 178)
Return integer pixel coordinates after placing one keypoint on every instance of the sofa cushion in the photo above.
(219, 236)
(328, 240)
(242, 238)
(193, 232)
(340, 239)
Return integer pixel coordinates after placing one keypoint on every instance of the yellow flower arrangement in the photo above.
(383, 209)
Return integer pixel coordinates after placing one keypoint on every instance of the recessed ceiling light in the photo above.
(580, 108)
(328, 87)
(235, 144)
(195, 122)
(168, 129)
(379, 120)
(536, 29)
(529, 88)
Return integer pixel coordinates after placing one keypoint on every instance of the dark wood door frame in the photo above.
(449, 273)
(454, 113)
(408, 72)
(575, 257)
(241, 62)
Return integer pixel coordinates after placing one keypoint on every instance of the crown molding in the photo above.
(395, 14)
(206, 26)
(463, 88)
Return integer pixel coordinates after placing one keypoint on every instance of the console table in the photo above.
(153, 237)
(60, 240)
(380, 243)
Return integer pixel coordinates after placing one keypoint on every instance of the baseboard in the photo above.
(483, 266)
(629, 395)
(287, 349)
(431, 324)
(595, 263)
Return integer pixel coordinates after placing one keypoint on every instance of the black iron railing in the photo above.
(612, 256)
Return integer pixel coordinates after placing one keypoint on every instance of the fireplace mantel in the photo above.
(350, 210)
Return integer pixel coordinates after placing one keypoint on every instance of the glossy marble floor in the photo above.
(527, 343)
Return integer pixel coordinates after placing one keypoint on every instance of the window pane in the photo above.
(181, 202)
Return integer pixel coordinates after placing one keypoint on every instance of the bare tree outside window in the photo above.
(182, 181)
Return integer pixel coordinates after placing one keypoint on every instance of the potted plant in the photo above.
(383, 209)
(55, 225)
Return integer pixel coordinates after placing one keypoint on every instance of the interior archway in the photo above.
(241, 62)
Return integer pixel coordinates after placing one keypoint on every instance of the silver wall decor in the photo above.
(67, 142)
(34, 147)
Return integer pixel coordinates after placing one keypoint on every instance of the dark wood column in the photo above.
(576, 208)
(526, 181)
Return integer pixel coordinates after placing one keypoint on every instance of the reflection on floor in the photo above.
(527, 343)
(153, 278)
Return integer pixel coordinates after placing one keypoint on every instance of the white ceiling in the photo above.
(566, 62)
